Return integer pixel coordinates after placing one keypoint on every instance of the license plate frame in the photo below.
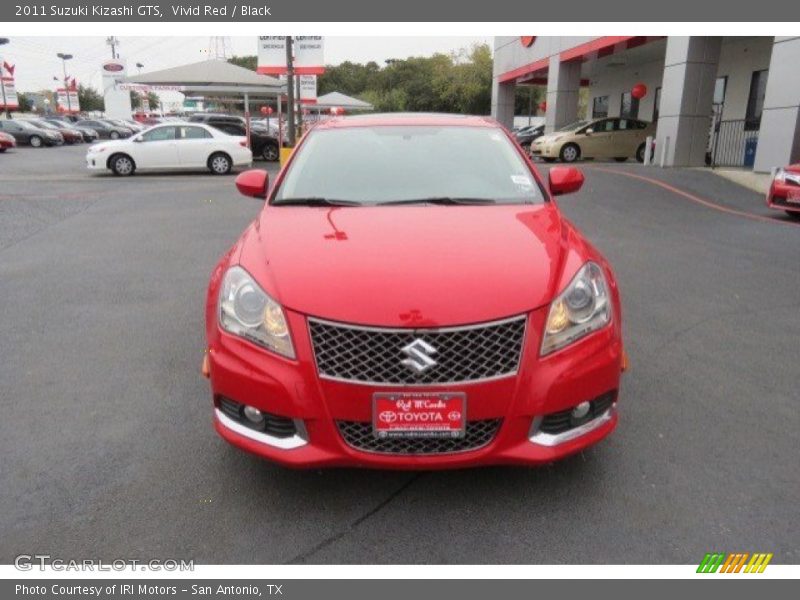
(417, 403)
(793, 196)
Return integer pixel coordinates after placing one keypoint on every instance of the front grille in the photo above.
(359, 435)
(375, 355)
(563, 421)
(274, 425)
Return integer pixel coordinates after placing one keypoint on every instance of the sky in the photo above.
(37, 64)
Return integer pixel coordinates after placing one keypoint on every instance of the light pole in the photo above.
(64, 58)
(4, 41)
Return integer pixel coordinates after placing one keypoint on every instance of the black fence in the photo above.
(733, 143)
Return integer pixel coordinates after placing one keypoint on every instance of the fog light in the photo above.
(252, 414)
(580, 411)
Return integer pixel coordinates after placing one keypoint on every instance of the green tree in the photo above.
(24, 102)
(459, 82)
(89, 99)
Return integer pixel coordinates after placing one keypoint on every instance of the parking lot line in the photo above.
(696, 199)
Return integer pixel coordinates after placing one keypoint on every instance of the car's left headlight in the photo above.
(583, 307)
(248, 311)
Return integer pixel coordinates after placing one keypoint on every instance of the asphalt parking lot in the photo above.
(106, 436)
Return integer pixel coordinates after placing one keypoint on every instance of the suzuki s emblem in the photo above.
(419, 356)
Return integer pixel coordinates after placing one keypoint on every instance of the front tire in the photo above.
(793, 213)
(220, 163)
(121, 165)
(270, 152)
(36, 141)
(570, 153)
(114, 135)
(640, 153)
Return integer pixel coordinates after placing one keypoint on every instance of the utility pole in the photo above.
(2, 83)
(299, 111)
(290, 90)
(64, 58)
(113, 42)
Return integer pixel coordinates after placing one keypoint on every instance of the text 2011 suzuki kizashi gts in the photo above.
(411, 297)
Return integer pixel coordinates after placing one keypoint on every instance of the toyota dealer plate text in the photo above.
(419, 414)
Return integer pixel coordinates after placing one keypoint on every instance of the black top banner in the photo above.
(405, 10)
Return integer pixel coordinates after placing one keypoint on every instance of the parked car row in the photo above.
(57, 130)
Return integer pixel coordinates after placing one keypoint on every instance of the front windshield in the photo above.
(373, 165)
(575, 125)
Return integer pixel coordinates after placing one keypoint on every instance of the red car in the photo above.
(410, 296)
(784, 192)
(6, 141)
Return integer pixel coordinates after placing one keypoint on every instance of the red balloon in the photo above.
(639, 91)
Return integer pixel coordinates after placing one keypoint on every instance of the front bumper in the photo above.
(784, 196)
(246, 374)
(545, 149)
(96, 161)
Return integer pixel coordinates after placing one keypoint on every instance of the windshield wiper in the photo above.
(315, 201)
(443, 200)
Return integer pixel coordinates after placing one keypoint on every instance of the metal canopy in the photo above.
(339, 100)
(210, 77)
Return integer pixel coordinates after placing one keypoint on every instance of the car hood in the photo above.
(419, 266)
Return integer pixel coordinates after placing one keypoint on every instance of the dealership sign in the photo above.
(67, 101)
(309, 54)
(308, 89)
(9, 91)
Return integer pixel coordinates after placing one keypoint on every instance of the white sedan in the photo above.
(172, 146)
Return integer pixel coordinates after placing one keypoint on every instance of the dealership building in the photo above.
(727, 101)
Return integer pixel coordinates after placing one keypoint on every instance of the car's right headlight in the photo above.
(583, 307)
(248, 311)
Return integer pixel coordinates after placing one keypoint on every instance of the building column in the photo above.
(687, 96)
(563, 87)
(503, 102)
(779, 135)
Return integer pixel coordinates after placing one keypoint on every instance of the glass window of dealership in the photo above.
(728, 101)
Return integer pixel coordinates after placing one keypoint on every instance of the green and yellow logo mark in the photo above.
(734, 562)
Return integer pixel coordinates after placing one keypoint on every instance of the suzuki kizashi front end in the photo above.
(410, 296)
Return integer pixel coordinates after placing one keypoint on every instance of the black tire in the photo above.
(3, 150)
(640, 153)
(113, 135)
(121, 165)
(220, 163)
(794, 214)
(270, 152)
(36, 141)
(570, 153)
(620, 158)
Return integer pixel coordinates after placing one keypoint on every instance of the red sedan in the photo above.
(411, 296)
(7, 141)
(784, 192)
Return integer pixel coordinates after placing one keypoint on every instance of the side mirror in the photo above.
(138, 138)
(565, 180)
(253, 183)
(589, 131)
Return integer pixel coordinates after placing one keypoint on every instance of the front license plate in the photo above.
(793, 196)
(419, 414)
